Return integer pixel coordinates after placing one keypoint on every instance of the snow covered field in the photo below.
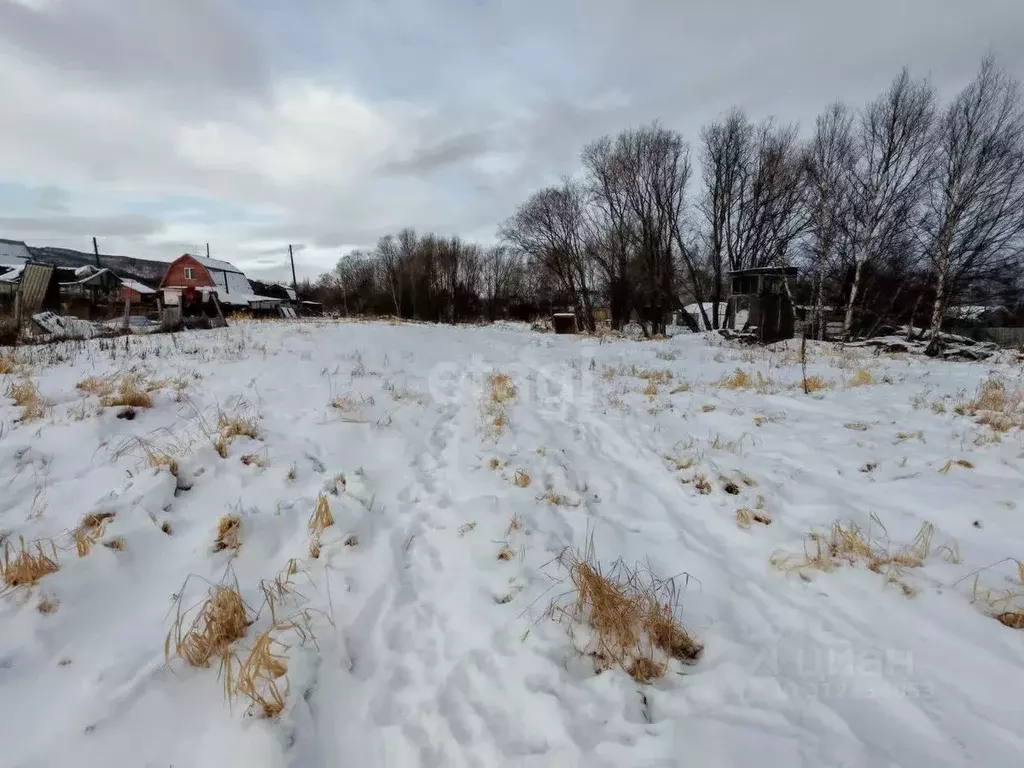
(421, 633)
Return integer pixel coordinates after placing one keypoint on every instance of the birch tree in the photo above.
(890, 174)
(975, 208)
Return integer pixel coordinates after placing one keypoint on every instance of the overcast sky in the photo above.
(160, 125)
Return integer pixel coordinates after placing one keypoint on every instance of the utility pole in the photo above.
(207, 250)
(295, 283)
(96, 250)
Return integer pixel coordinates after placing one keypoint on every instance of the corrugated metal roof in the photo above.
(136, 286)
(13, 253)
(223, 266)
(35, 281)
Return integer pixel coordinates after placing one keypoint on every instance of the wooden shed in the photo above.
(760, 303)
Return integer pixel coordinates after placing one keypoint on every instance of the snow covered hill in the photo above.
(318, 544)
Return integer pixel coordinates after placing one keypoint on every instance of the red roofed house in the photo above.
(211, 276)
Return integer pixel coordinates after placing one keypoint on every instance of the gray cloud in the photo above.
(330, 124)
(446, 152)
(121, 225)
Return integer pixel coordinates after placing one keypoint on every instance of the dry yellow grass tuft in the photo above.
(90, 531)
(681, 387)
(740, 379)
(998, 404)
(505, 553)
(130, 391)
(555, 499)
(746, 517)
(652, 375)
(494, 463)
(522, 479)
(256, 460)
(502, 390)
(862, 378)
(7, 365)
(320, 520)
(25, 394)
(229, 534)
(115, 543)
(344, 403)
(651, 389)
(630, 616)
(1007, 605)
(815, 384)
(848, 544)
(207, 631)
(29, 564)
(956, 462)
(47, 604)
(231, 426)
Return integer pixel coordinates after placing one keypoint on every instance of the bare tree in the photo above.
(725, 147)
(501, 277)
(550, 228)
(389, 259)
(974, 219)
(891, 173)
(830, 159)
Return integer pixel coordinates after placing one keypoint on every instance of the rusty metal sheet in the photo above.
(35, 282)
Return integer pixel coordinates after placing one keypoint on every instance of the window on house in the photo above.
(188, 273)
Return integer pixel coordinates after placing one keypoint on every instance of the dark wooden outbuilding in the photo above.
(759, 302)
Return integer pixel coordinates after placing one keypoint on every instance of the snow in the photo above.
(136, 286)
(431, 651)
(61, 326)
(224, 266)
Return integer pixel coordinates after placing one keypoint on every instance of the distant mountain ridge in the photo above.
(145, 271)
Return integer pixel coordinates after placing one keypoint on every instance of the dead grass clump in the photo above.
(351, 540)
(344, 403)
(28, 564)
(494, 463)
(116, 544)
(652, 375)
(25, 394)
(320, 520)
(681, 387)
(131, 391)
(47, 604)
(815, 384)
(256, 460)
(998, 404)
(630, 616)
(522, 479)
(90, 531)
(229, 534)
(862, 378)
(1006, 605)
(230, 427)
(502, 390)
(556, 499)
(740, 379)
(956, 462)
(7, 364)
(848, 544)
(651, 389)
(746, 517)
(207, 631)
